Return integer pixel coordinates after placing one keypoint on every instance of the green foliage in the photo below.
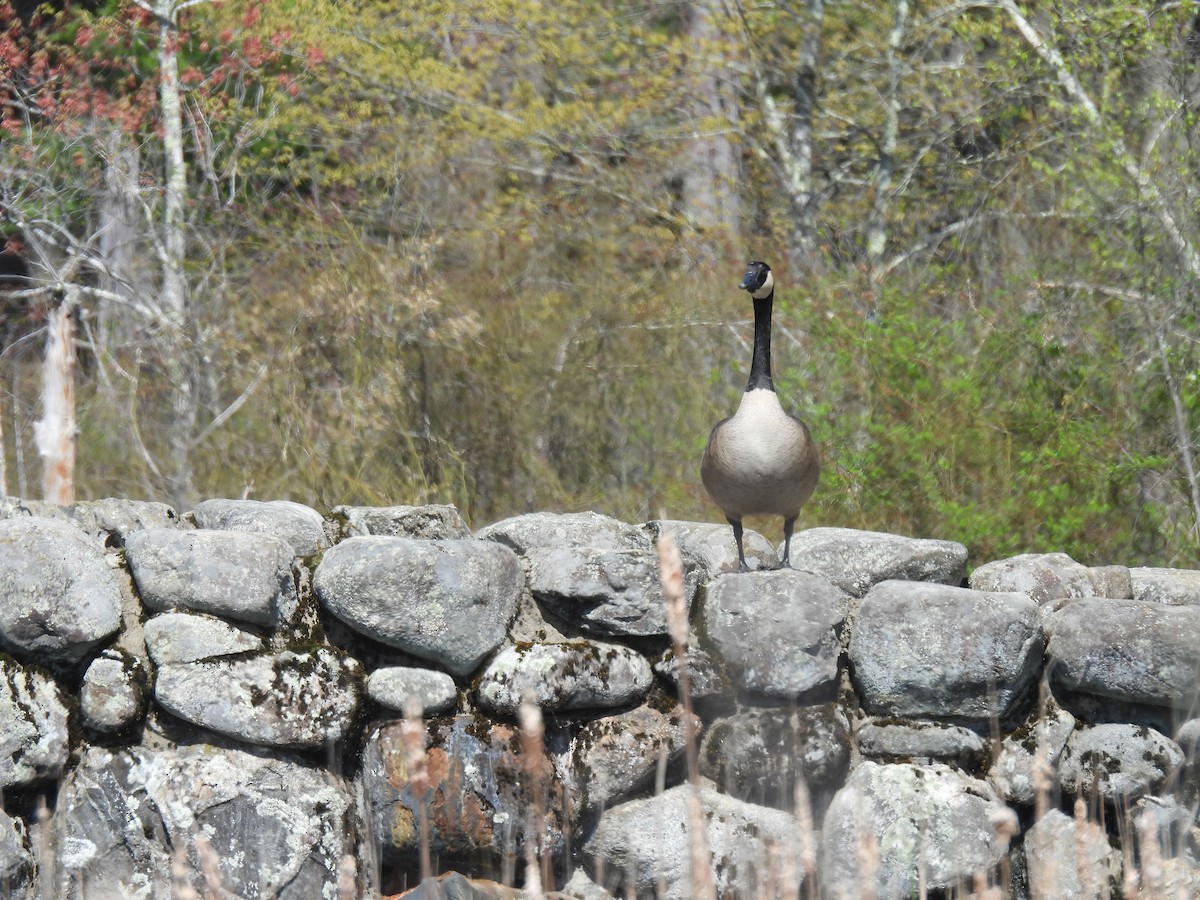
(986, 430)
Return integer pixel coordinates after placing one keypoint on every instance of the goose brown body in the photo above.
(761, 460)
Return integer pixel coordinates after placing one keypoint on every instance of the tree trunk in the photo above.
(877, 224)
(55, 433)
(804, 107)
(119, 218)
(711, 170)
(178, 347)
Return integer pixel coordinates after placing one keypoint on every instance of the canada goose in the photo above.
(760, 460)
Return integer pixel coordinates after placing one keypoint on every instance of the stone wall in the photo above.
(216, 704)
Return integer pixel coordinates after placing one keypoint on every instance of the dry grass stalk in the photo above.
(210, 864)
(807, 837)
(181, 885)
(670, 573)
(1153, 874)
(536, 765)
(412, 734)
(868, 865)
(347, 878)
(1007, 827)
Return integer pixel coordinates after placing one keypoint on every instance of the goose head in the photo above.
(758, 280)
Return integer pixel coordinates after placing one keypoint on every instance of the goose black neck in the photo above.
(760, 363)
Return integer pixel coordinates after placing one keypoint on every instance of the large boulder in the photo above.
(292, 700)
(1067, 858)
(933, 650)
(759, 755)
(61, 598)
(113, 695)
(1118, 762)
(919, 822)
(1175, 587)
(606, 593)
(1045, 577)
(583, 529)
(33, 727)
(778, 631)
(393, 687)
(233, 574)
(479, 789)
(1127, 650)
(301, 526)
(919, 741)
(183, 638)
(1037, 745)
(650, 842)
(440, 522)
(446, 601)
(113, 519)
(275, 828)
(565, 676)
(856, 560)
(616, 755)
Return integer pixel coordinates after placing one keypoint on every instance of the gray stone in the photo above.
(606, 593)
(1175, 587)
(1066, 858)
(915, 819)
(759, 755)
(432, 522)
(392, 686)
(1118, 762)
(933, 650)
(778, 631)
(456, 886)
(276, 829)
(16, 862)
(1127, 650)
(1188, 739)
(583, 529)
(184, 637)
(1044, 577)
(234, 574)
(615, 756)
(580, 887)
(479, 789)
(920, 742)
(291, 700)
(648, 841)
(856, 560)
(1164, 820)
(575, 675)
(61, 598)
(1038, 743)
(114, 519)
(445, 601)
(712, 547)
(301, 526)
(113, 694)
(33, 727)
(706, 674)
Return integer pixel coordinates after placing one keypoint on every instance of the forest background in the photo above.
(486, 252)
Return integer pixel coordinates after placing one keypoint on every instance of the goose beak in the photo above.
(748, 282)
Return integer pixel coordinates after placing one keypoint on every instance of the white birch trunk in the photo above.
(55, 433)
(178, 347)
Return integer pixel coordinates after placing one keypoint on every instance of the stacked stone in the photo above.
(221, 697)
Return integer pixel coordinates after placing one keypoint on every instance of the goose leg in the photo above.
(737, 536)
(788, 525)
